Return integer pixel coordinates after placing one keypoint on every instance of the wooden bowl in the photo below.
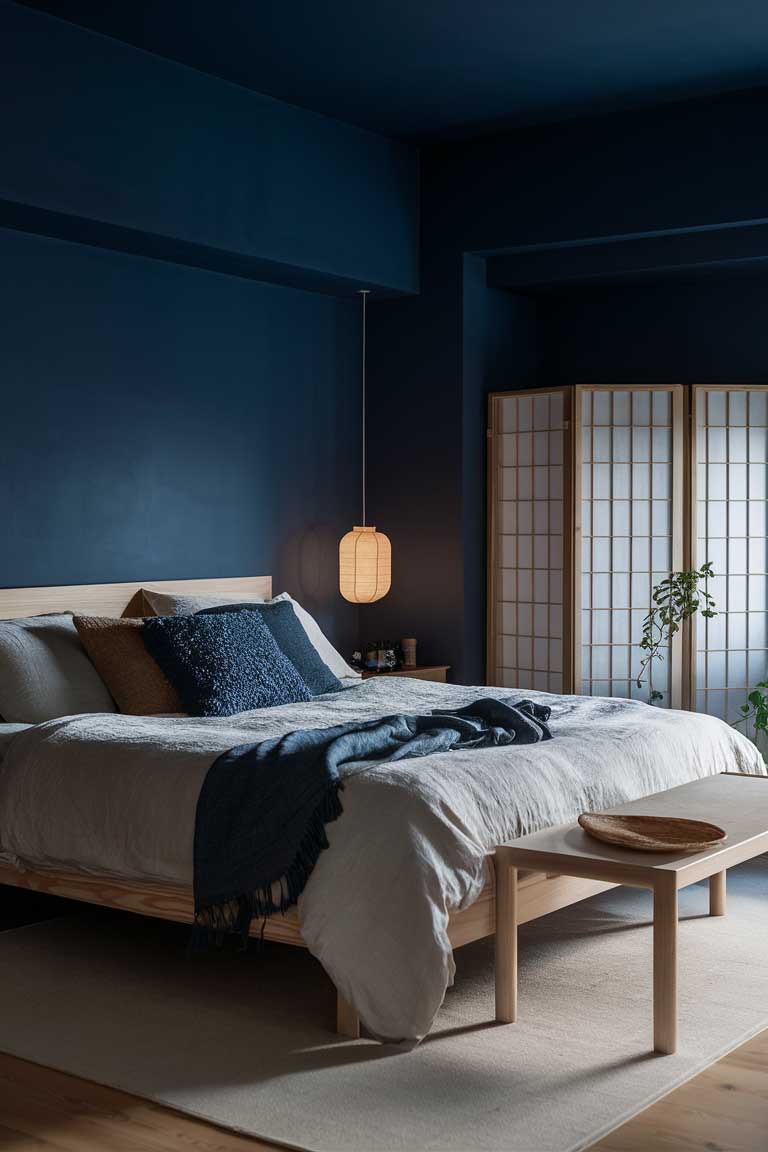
(652, 833)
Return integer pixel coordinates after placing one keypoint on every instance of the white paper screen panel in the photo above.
(731, 524)
(629, 501)
(528, 545)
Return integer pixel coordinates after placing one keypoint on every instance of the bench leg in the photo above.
(347, 1020)
(506, 942)
(665, 965)
(717, 894)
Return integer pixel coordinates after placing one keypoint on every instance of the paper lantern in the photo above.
(365, 555)
(365, 565)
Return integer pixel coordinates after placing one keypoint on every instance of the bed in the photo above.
(408, 877)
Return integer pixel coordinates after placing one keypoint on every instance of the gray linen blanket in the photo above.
(263, 808)
(118, 794)
(7, 733)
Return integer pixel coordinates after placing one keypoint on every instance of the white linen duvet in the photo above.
(117, 794)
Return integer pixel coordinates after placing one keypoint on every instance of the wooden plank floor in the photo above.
(725, 1109)
(46, 1111)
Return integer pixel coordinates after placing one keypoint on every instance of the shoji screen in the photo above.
(530, 540)
(731, 453)
(629, 500)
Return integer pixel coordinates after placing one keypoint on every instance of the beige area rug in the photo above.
(246, 1041)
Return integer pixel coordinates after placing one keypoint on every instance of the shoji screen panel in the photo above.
(629, 530)
(729, 498)
(530, 540)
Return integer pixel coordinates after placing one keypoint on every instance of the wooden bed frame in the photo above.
(538, 892)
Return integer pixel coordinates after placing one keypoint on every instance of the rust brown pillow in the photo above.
(117, 650)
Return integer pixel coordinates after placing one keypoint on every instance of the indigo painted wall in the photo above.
(161, 420)
(710, 330)
(96, 129)
(692, 166)
(106, 352)
(430, 371)
(165, 422)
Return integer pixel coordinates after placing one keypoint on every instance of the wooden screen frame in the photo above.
(678, 690)
(685, 401)
(695, 392)
(493, 431)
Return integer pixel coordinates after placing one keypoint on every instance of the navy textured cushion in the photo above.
(291, 638)
(222, 664)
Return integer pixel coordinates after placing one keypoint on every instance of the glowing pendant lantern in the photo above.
(365, 555)
(365, 565)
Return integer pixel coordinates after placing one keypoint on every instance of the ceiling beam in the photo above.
(650, 256)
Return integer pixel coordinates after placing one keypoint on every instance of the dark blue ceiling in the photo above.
(423, 67)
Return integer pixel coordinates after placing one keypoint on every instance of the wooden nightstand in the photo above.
(437, 672)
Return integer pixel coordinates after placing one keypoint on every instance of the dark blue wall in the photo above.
(697, 165)
(126, 152)
(499, 354)
(96, 129)
(706, 331)
(163, 422)
(432, 362)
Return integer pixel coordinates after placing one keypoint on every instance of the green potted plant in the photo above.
(673, 601)
(756, 711)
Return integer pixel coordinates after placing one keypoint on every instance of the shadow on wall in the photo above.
(308, 568)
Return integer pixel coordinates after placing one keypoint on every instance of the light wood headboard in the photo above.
(119, 599)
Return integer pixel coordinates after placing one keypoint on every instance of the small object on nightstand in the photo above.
(387, 659)
(382, 656)
(409, 652)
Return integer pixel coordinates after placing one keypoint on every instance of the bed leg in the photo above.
(506, 940)
(347, 1020)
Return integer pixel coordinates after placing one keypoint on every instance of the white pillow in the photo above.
(170, 604)
(45, 672)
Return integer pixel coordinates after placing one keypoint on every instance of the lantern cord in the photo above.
(364, 293)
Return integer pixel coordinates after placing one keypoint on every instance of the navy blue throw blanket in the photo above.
(262, 810)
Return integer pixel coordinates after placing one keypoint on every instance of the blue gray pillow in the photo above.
(223, 664)
(291, 638)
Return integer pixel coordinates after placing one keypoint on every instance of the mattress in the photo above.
(117, 794)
